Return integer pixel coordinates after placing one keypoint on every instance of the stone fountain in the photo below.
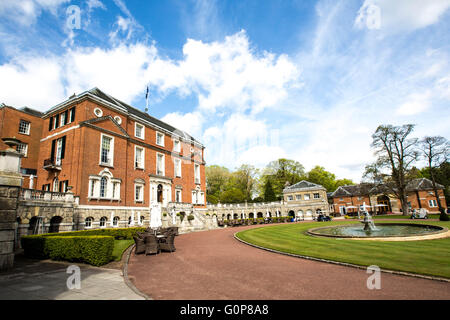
(369, 225)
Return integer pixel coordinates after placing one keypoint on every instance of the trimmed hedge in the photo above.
(116, 233)
(94, 250)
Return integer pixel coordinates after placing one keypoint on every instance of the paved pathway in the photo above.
(214, 265)
(47, 280)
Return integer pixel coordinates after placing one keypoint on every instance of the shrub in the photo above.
(190, 217)
(117, 233)
(181, 215)
(94, 250)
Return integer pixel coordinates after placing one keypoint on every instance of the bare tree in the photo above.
(436, 151)
(396, 153)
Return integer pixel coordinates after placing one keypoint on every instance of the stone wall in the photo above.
(8, 206)
(74, 217)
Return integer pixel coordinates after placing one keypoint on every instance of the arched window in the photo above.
(116, 221)
(103, 184)
(103, 221)
(142, 219)
(88, 222)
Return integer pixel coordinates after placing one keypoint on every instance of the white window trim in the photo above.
(91, 223)
(62, 119)
(142, 131)
(100, 222)
(181, 196)
(175, 161)
(142, 157)
(141, 194)
(162, 139)
(197, 176)
(58, 152)
(28, 127)
(25, 149)
(163, 164)
(432, 203)
(118, 222)
(179, 146)
(111, 164)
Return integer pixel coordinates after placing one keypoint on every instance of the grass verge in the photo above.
(119, 248)
(427, 257)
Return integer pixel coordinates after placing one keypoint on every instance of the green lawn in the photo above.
(429, 257)
(399, 216)
(119, 247)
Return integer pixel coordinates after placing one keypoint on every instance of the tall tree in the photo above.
(436, 151)
(395, 152)
(281, 171)
(269, 194)
(245, 179)
(217, 178)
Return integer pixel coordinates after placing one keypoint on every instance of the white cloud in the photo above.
(25, 12)
(92, 4)
(120, 71)
(401, 15)
(241, 139)
(228, 75)
(34, 82)
(191, 122)
(416, 103)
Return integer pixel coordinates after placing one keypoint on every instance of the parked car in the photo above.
(322, 217)
(419, 214)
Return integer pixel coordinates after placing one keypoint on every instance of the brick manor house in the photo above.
(110, 155)
(420, 194)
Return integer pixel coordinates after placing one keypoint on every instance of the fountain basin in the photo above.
(385, 231)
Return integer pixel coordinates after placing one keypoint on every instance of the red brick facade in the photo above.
(421, 195)
(29, 134)
(71, 152)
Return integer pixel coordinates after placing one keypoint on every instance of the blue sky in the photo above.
(253, 80)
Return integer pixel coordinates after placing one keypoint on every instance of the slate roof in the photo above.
(131, 110)
(353, 190)
(302, 185)
(368, 188)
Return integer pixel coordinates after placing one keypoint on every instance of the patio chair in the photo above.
(151, 244)
(167, 244)
(140, 245)
(142, 235)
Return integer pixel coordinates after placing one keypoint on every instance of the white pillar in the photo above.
(31, 182)
(112, 219)
(132, 218)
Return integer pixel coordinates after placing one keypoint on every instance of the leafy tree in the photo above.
(232, 195)
(217, 178)
(342, 182)
(245, 180)
(395, 153)
(436, 151)
(280, 172)
(269, 194)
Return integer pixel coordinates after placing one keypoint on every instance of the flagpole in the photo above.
(146, 101)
